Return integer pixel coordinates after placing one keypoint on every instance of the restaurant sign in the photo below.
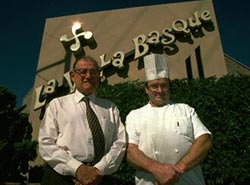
(141, 43)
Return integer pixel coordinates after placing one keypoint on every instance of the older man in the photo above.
(81, 136)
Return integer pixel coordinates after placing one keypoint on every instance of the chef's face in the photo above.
(158, 91)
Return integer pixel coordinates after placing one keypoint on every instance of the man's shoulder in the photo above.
(181, 105)
(63, 98)
(139, 110)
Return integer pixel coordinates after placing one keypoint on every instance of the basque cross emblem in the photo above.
(79, 40)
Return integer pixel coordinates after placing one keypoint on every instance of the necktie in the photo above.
(96, 130)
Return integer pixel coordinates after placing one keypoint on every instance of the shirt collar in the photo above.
(167, 104)
(79, 96)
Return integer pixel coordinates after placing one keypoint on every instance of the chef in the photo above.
(166, 141)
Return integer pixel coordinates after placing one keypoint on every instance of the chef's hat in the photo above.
(155, 67)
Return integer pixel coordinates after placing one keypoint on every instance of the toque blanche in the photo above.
(155, 67)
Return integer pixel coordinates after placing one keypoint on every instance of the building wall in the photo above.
(114, 31)
(234, 67)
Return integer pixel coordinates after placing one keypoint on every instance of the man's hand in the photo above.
(88, 175)
(165, 174)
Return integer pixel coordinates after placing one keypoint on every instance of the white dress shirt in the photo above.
(65, 140)
(165, 134)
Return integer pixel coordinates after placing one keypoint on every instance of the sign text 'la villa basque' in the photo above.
(142, 44)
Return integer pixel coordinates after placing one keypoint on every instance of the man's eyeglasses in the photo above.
(84, 72)
(155, 87)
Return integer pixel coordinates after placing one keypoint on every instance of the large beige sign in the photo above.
(186, 34)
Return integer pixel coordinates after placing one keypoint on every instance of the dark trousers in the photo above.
(51, 177)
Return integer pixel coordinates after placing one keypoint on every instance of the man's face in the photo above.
(86, 77)
(158, 91)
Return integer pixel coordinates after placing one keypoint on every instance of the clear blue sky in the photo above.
(22, 24)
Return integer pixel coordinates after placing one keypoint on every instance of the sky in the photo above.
(23, 24)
